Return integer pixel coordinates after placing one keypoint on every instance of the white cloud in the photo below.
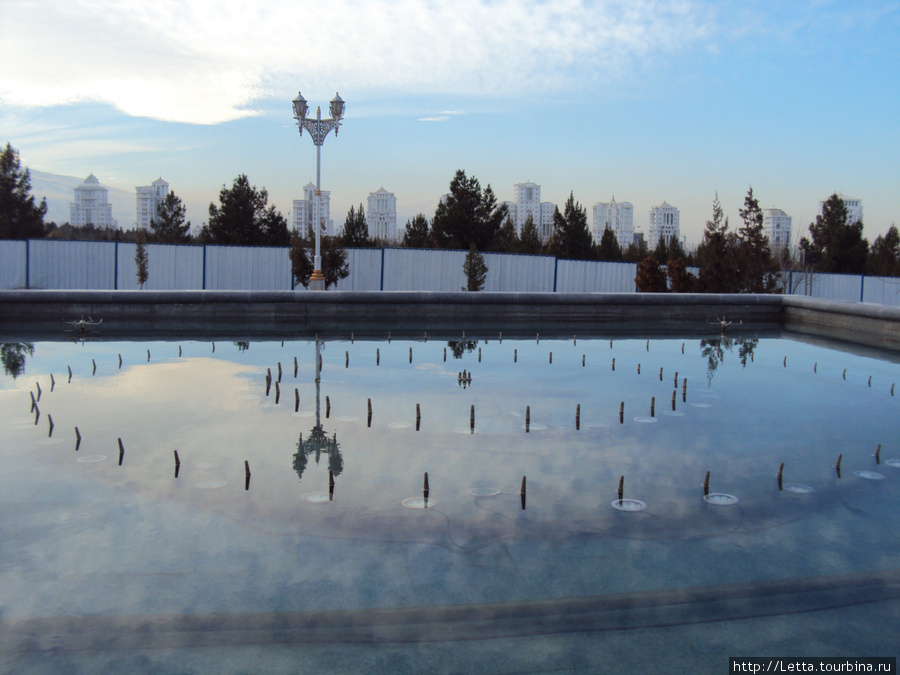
(440, 118)
(207, 62)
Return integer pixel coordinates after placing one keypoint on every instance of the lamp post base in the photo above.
(317, 281)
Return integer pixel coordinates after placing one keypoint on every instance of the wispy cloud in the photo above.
(206, 62)
(440, 118)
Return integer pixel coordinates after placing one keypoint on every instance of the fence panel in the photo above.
(365, 270)
(407, 269)
(588, 276)
(513, 273)
(72, 264)
(170, 267)
(882, 290)
(248, 268)
(13, 262)
(838, 287)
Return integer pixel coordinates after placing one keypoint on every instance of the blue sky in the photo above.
(647, 100)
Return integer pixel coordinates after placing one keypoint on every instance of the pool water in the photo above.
(294, 520)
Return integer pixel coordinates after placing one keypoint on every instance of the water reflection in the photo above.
(460, 347)
(318, 442)
(714, 351)
(13, 354)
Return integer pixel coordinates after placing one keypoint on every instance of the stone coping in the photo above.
(277, 312)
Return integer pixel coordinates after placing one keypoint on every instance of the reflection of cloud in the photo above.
(203, 62)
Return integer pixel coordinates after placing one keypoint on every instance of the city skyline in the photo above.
(647, 101)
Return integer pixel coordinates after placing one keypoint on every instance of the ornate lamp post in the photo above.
(318, 129)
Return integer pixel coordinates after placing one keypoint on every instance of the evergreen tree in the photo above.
(675, 249)
(303, 251)
(717, 255)
(507, 240)
(475, 270)
(571, 237)
(680, 280)
(530, 239)
(650, 277)
(170, 225)
(243, 219)
(884, 257)
(758, 270)
(417, 234)
(661, 252)
(20, 217)
(467, 216)
(356, 231)
(837, 246)
(636, 252)
(140, 258)
(609, 249)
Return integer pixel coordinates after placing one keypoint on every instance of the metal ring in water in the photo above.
(484, 492)
(418, 503)
(630, 505)
(721, 499)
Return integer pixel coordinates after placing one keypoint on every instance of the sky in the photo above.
(642, 100)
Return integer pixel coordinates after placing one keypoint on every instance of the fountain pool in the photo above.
(326, 525)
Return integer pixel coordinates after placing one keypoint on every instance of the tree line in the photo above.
(470, 217)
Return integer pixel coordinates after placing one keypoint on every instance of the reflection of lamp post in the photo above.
(318, 129)
(318, 442)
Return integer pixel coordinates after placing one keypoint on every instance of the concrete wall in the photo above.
(288, 312)
(874, 325)
(146, 313)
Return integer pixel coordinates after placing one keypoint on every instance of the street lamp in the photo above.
(318, 129)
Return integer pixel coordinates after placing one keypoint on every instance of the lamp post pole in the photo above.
(318, 129)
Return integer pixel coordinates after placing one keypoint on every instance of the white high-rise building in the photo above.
(528, 203)
(664, 222)
(618, 217)
(91, 205)
(777, 226)
(545, 226)
(149, 197)
(381, 215)
(303, 214)
(854, 209)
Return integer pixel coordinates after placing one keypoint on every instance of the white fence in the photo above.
(111, 265)
(849, 287)
(41, 263)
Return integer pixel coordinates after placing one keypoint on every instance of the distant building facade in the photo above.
(618, 217)
(303, 213)
(91, 205)
(149, 197)
(777, 227)
(854, 209)
(381, 215)
(527, 202)
(664, 222)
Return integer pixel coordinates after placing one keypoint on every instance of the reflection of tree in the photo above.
(13, 356)
(459, 347)
(242, 346)
(714, 350)
(314, 445)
